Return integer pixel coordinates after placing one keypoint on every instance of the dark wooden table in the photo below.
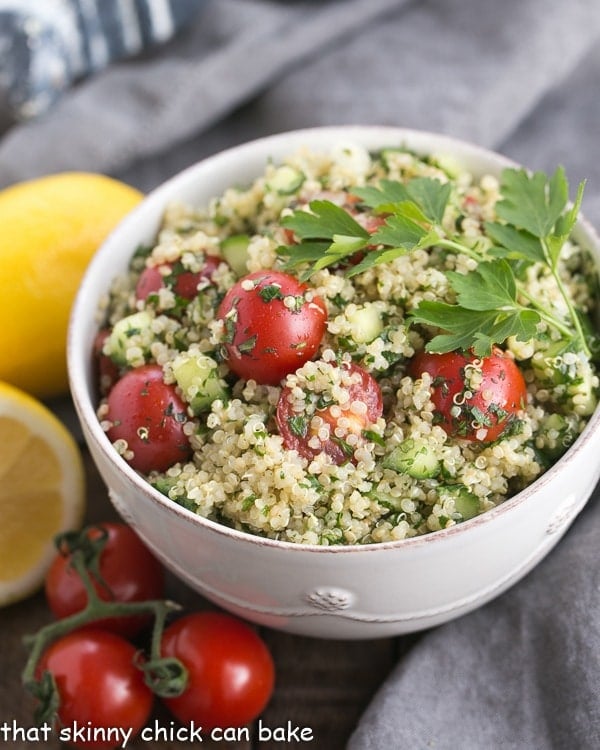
(321, 685)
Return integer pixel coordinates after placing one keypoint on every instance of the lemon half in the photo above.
(42, 490)
(51, 227)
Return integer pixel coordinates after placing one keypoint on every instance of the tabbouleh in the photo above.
(402, 474)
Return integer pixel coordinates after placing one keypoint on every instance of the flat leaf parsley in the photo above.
(534, 221)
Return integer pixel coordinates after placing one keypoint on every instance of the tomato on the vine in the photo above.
(149, 415)
(129, 572)
(273, 325)
(174, 276)
(99, 686)
(298, 434)
(230, 670)
(475, 398)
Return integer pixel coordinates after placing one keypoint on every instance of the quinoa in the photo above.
(241, 471)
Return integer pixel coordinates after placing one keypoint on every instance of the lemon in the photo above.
(41, 490)
(51, 226)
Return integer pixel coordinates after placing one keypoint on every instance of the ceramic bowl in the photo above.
(333, 592)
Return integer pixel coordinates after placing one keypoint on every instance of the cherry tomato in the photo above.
(298, 433)
(370, 222)
(128, 569)
(184, 283)
(475, 398)
(148, 414)
(230, 670)
(99, 686)
(273, 325)
(107, 372)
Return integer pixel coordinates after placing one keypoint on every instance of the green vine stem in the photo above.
(166, 677)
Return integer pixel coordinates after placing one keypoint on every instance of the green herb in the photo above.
(345, 447)
(270, 292)
(311, 482)
(487, 311)
(329, 235)
(247, 346)
(374, 437)
(492, 304)
(324, 221)
(298, 426)
(423, 198)
(230, 329)
(248, 502)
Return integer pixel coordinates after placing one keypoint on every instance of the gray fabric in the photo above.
(133, 111)
(522, 673)
(521, 76)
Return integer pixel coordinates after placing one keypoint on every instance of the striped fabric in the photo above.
(46, 46)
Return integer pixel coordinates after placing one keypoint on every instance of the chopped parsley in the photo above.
(298, 425)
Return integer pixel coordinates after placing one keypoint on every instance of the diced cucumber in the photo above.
(388, 155)
(448, 164)
(198, 377)
(585, 392)
(391, 502)
(554, 422)
(547, 365)
(414, 457)
(571, 373)
(163, 484)
(285, 180)
(366, 323)
(353, 157)
(466, 502)
(235, 252)
(136, 324)
(556, 433)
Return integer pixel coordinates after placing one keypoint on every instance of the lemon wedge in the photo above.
(42, 490)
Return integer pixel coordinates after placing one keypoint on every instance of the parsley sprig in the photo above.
(491, 303)
(329, 235)
(534, 221)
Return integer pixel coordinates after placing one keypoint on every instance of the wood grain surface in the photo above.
(321, 685)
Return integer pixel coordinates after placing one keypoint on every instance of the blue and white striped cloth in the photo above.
(47, 46)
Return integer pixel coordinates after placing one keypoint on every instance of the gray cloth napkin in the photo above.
(520, 76)
(522, 673)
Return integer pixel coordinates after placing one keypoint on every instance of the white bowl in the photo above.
(339, 591)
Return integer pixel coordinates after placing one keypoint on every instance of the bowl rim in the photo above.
(77, 358)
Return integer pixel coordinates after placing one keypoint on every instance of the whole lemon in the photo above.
(49, 229)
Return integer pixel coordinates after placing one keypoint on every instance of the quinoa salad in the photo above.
(355, 348)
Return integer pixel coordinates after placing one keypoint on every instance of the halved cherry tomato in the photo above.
(273, 325)
(230, 670)
(129, 573)
(148, 414)
(298, 434)
(184, 283)
(476, 398)
(99, 687)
